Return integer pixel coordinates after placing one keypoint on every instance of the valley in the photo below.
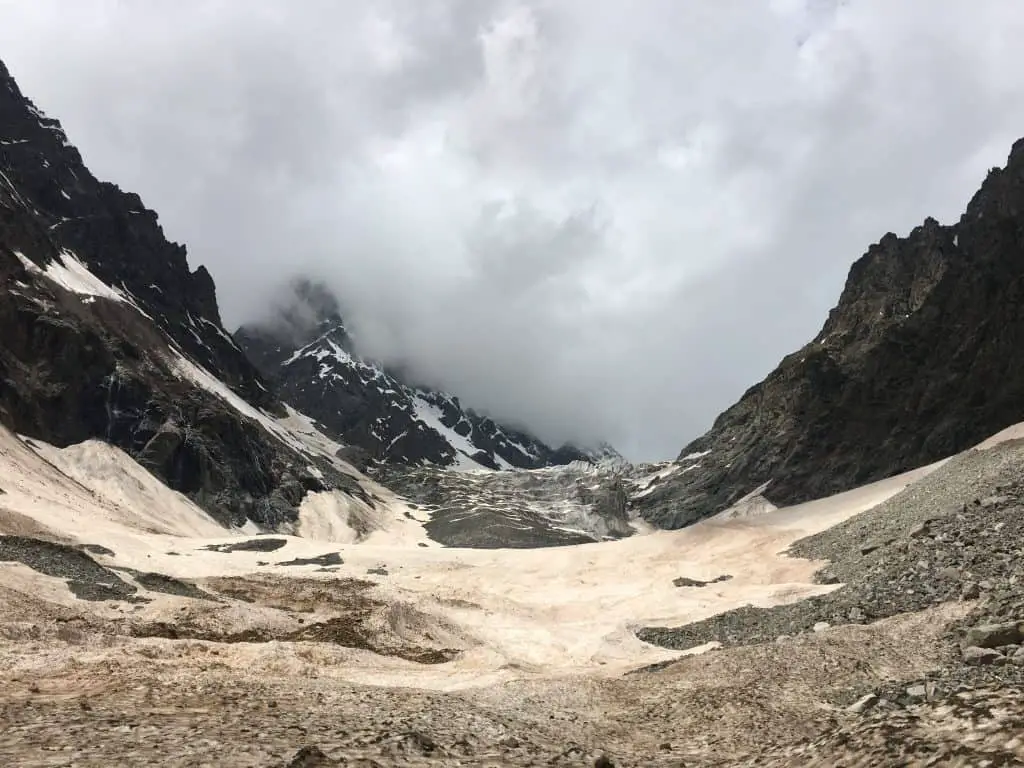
(269, 549)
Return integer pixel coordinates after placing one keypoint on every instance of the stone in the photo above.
(950, 573)
(971, 591)
(922, 530)
(825, 576)
(311, 757)
(864, 703)
(822, 626)
(994, 635)
(982, 656)
(918, 691)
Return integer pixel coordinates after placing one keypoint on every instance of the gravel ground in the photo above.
(87, 579)
(974, 728)
(92, 699)
(956, 534)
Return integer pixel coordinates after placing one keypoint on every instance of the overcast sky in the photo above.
(598, 218)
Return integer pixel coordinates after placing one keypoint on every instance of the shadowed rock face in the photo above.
(920, 358)
(381, 413)
(99, 361)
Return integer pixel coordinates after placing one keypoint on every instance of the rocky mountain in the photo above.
(920, 358)
(107, 333)
(383, 416)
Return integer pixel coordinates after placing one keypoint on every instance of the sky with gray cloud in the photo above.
(597, 218)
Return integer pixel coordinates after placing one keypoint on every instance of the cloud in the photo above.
(595, 218)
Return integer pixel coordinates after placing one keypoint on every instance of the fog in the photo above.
(597, 220)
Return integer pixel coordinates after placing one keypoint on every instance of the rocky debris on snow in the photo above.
(331, 558)
(87, 579)
(250, 545)
(168, 585)
(344, 614)
(685, 581)
(968, 547)
(345, 631)
(98, 549)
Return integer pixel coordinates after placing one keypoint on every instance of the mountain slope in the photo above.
(308, 353)
(106, 333)
(920, 358)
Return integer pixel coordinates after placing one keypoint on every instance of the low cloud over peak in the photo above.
(599, 219)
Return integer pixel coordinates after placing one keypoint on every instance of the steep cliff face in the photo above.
(922, 357)
(105, 332)
(381, 414)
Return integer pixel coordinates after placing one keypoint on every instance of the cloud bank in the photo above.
(597, 219)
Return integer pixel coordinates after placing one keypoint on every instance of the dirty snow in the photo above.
(524, 613)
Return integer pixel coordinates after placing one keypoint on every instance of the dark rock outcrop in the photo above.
(309, 355)
(106, 333)
(920, 359)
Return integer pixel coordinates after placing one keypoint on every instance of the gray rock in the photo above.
(993, 635)
(950, 573)
(917, 691)
(822, 626)
(863, 704)
(982, 656)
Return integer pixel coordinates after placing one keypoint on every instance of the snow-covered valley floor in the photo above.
(389, 647)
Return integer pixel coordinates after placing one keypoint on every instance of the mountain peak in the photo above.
(108, 334)
(382, 412)
(918, 360)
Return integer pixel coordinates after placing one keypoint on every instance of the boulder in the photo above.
(994, 635)
(982, 656)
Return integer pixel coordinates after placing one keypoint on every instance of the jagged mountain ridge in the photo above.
(307, 351)
(920, 359)
(108, 334)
